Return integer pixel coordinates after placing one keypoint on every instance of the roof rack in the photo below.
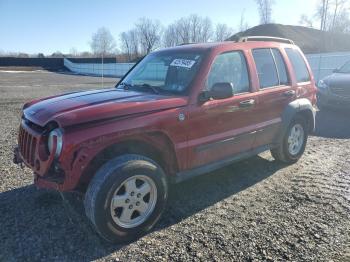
(186, 44)
(265, 38)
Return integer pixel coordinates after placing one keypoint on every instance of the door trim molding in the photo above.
(230, 140)
(188, 174)
(227, 134)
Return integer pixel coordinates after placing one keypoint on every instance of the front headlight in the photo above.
(322, 85)
(59, 135)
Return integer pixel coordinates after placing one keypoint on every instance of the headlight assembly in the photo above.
(59, 135)
(322, 85)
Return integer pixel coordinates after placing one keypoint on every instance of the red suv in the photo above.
(178, 113)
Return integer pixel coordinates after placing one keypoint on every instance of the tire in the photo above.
(283, 152)
(115, 219)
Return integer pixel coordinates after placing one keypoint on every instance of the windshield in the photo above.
(345, 69)
(164, 72)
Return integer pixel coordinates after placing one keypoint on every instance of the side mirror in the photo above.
(218, 91)
(336, 70)
(221, 90)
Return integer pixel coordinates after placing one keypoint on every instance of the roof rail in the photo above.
(265, 38)
(189, 43)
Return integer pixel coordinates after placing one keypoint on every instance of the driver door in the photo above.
(223, 128)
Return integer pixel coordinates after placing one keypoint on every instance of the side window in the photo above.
(230, 67)
(265, 65)
(281, 67)
(298, 63)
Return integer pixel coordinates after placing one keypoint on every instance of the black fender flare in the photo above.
(298, 106)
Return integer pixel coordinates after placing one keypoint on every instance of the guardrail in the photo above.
(321, 65)
(108, 69)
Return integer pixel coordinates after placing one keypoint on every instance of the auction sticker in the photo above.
(183, 63)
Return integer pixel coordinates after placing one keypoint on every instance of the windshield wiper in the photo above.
(127, 86)
(154, 89)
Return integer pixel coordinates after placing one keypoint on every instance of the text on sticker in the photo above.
(183, 63)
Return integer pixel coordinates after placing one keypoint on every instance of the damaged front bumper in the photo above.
(48, 181)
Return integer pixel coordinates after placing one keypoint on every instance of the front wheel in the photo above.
(126, 197)
(294, 142)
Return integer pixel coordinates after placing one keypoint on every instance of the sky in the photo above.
(46, 26)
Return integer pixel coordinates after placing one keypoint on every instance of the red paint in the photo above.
(93, 120)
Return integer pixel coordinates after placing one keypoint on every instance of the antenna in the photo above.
(102, 72)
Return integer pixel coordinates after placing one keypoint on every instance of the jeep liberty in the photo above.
(178, 113)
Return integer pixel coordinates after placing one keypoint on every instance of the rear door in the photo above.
(275, 92)
(305, 85)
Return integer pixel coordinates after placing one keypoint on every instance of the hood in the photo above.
(338, 80)
(81, 107)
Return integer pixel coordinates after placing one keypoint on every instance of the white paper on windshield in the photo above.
(183, 63)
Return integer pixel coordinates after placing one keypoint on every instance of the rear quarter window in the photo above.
(299, 65)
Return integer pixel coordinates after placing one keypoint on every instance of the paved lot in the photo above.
(254, 210)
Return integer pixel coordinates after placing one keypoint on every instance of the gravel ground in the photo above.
(256, 210)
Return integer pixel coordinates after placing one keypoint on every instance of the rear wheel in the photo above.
(126, 197)
(294, 142)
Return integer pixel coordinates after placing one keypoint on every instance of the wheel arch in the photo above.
(301, 107)
(156, 146)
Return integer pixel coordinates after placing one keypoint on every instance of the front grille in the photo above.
(341, 91)
(27, 145)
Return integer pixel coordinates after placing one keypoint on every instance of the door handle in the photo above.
(247, 103)
(289, 93)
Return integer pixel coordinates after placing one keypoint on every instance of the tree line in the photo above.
(148, 34)
(329, 15)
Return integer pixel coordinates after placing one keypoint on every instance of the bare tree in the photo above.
(340, 17)
(243, 24)
(134, 41)
(305, 21)
(323, 14)
(191, 29)
(205, 30)
(85, 54)
(57, 54)
(182, 29)
(222, 32)
(200, 28)
(23, 55)
(342, 23)
(337, 4)
(102, 42)
(333, 15)
(126, 44)
(149, 32)
(130, 44)
(73, 52)
(265, 10)
(170, 36)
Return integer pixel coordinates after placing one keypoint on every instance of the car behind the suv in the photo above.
(334, 90)
(180, 112)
